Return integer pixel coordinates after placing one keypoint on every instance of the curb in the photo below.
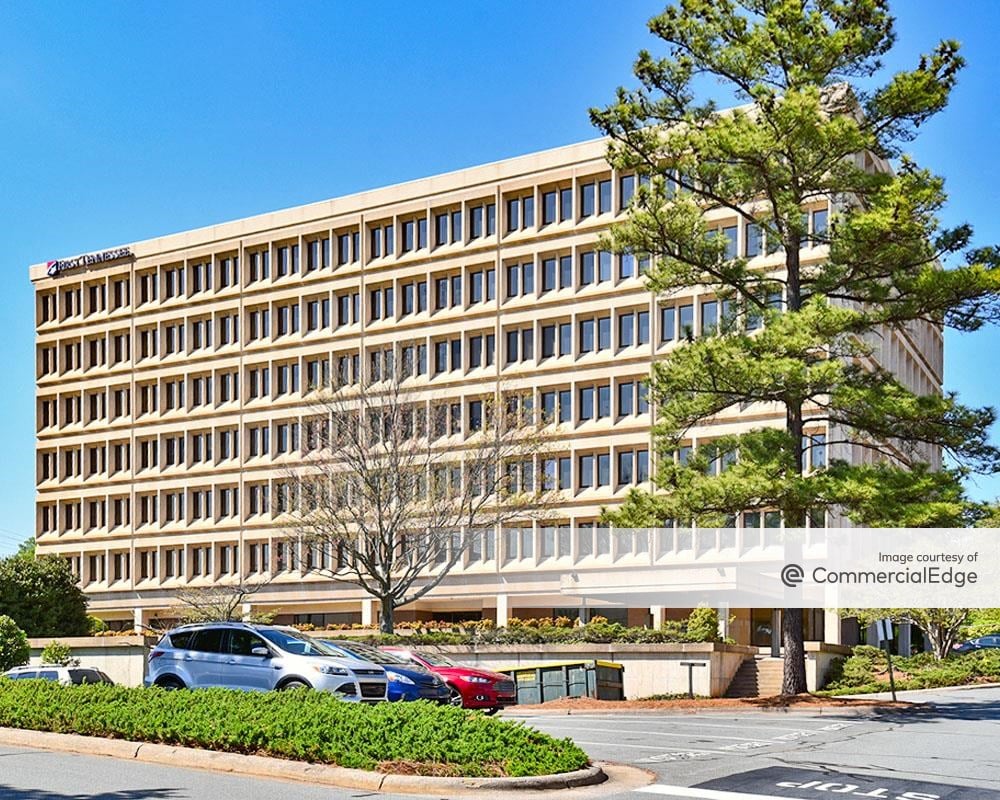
(266, 767)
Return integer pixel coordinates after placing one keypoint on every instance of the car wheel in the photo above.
(170, 683)
(293, 684)
(455, 697)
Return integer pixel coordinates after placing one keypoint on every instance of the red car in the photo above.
(470, 687)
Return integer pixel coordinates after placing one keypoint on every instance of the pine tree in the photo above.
(802, 324)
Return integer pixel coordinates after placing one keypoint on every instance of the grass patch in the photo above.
(867, 670)
(301, 725)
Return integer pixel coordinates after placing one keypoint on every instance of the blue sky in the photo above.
(123, 121)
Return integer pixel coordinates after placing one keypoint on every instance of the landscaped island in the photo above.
(302, 725)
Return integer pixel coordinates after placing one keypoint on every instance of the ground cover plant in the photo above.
(302, 725)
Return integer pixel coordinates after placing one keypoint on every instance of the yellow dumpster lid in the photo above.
(526, 667)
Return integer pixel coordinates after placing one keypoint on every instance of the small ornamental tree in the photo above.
(14, 650)
(806, 306)
(59, 654)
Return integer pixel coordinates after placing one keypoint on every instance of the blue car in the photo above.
(406, 681)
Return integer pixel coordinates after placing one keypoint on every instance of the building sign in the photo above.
(58, 267)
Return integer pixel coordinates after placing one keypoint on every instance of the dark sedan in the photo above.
(406, 681)
(980, 643)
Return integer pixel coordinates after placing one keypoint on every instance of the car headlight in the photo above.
(476, 679)
(329, 669)
(398, 677)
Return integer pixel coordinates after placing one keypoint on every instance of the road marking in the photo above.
(832, 726)
(678, 735)
(705, 794)
(623, 744)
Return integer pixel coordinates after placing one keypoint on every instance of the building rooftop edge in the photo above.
(355, 202)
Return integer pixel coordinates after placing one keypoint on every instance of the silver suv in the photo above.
(237, 655)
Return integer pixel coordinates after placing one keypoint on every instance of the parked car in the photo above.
(65, 675)
(980, 643)
(407, 681)
(470, 687)
(259, 658)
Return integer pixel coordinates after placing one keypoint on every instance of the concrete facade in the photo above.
(162, 372)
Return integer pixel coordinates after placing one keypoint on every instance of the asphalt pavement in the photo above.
(951, 751)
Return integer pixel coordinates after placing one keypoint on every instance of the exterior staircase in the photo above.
(759, 676)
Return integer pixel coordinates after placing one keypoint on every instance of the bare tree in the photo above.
(393, 489)
(220, 603)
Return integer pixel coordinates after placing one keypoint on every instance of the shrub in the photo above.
(42, 597)
(703, 625)
(866, 670)
(302, 725)
(96, 626)
(59, 654)
(14, 650)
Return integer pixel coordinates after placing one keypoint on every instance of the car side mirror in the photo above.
(263, 652)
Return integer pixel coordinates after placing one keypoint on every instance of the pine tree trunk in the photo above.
(793, 680)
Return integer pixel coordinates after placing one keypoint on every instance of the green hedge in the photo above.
(866, 671)
(301, 725)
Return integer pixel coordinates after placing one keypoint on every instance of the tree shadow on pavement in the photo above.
(15, 793)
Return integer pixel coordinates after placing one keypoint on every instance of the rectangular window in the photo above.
(603, 469)
(626, 462)
(604, 195)
(549, 200)
(476, 288)
(409, 238)
(456, 226)
(456, 290)
(819, 226)
(587, 268)
(754, 240)
(548, 275)
(668, 323)
(565, 272)
(626, 186)
(565, 204)
(586, 403)
(548, 341)
(731, 234)
(528, 211)
(513, 282)
(642, 327)
(528, 278)
(626, 266)
(513, 214)
(603, 401)
(626, 330)
(604, 266)
(441, 229)
(588, 196)
(586, 335)
(476, 223)
(512, 342)
(709, 318)
(441, 286)
(422, 233)
(686, 316)
(586, 469)
(604, 333)
(626, 393)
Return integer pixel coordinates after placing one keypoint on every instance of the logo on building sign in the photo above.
(55, 268)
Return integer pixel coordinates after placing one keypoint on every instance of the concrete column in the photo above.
(140, 619)
(245, 611)
(659, 615)
(871, 635)
(905, 639)
(775, 632)
(723, 611)
(503, 610)
(831, 627)
(367, 612)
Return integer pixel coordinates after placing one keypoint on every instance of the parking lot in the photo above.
(949, 751)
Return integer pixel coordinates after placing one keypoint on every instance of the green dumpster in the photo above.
(539, 683)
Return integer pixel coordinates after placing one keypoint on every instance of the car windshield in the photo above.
(367, 653)
(436, 660)
(296, 643)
